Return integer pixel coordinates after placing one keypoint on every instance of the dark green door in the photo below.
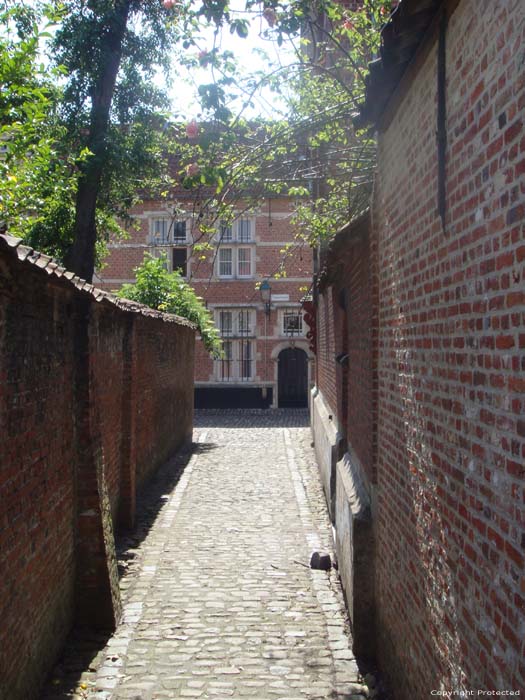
(293, 378)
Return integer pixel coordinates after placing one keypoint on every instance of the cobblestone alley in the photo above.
(219, 600)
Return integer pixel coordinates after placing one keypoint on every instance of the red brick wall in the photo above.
(109, 378)
(37, 499)
(163, 367)
(356, 381)
(361, 350)
(326, 349)
(451, 436)
(84, 386)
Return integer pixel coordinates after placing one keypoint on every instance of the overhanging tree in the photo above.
(111, 50)
(32, 171)
(313, 153)
(114, 138)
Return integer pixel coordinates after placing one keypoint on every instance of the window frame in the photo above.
(220, 262)
(168, 237)
(184, 272)
(236, 235)
(249, 261)
(239, 237)
(236, 313)
(239, 363)
(296, 313)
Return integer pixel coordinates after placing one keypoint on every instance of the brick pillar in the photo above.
(97, 594)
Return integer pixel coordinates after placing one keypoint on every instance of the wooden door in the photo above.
(293, 378)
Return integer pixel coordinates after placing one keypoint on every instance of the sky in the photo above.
(247, 52)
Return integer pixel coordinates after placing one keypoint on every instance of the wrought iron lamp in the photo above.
(266, 295)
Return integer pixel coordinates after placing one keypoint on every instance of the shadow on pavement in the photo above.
(150, 501)
(84, 650)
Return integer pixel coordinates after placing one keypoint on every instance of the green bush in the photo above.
(169, 292)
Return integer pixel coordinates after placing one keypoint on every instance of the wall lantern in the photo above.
(266, 296)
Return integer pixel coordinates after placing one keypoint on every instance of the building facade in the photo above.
(266, 360)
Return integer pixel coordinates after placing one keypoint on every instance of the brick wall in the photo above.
(345, 358)
(93, 398)
(436, 340)
(451, 442)
(326, 349)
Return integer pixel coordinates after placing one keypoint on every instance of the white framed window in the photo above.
(239, 231)
(234, 323)
(245, 348)
(237, 364)
(225, 262)
(225, 323)
(179, 232)
(245, 319)
(292, 322)
(160, 231)
(232, 261)
(244, 262)
(244, 230)
(224, 369)
(165, 231)
(225, 232)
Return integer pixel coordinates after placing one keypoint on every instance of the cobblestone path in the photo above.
(219, 600)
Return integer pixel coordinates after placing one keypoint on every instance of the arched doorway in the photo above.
(293, 378)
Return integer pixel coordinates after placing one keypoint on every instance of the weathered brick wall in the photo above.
(360, 423)
(354, 337)
(109, 378)
(451, 436)
(326, 349)
(37, 498)
(92, 398)
(346, 357)
(163, 402)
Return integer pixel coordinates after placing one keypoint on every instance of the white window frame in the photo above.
(249, 262)
(239, 225)
(249, 359)
(297, 312)
(168, 236)
(234, 232)
(235, 263)
(225, 233)
(226, 330)
(220, 262)
(178, 242)
(235, 325)
(231, 368)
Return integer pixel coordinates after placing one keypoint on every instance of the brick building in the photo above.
(418, 409)
(267, 361)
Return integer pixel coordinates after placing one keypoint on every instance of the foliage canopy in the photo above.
(312, 153)
(85, 136)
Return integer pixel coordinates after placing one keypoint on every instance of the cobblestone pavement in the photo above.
(219, 600)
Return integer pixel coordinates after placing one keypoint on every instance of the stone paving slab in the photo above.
(219, 600)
